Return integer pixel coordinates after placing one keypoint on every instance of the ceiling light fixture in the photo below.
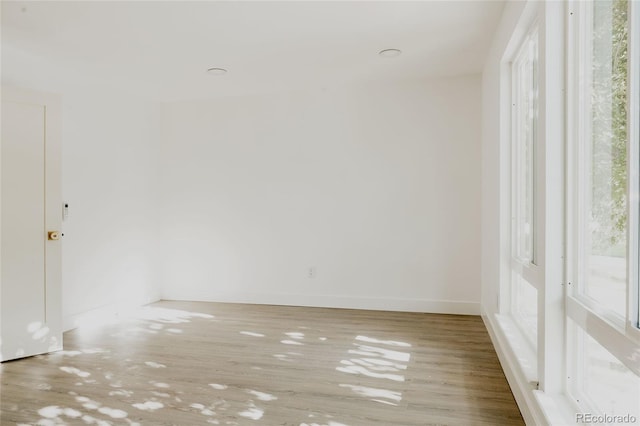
(390, 53)
(216, 71)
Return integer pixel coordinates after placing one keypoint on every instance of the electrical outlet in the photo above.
(311, 272)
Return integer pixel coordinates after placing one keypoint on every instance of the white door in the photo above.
(30, 214)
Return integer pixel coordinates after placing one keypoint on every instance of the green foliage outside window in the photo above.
(609, 128)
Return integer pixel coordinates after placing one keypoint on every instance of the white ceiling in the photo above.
(162, 49)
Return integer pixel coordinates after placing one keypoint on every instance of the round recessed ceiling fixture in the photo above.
(216, 71)
(390, 53)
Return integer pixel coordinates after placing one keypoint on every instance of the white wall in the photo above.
(110, 247)
(376, 187)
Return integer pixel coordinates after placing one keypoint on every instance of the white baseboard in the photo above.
(111, 312)
(347, 302)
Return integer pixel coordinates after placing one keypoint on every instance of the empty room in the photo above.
(336, 213)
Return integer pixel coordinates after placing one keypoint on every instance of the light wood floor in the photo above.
(188, 363)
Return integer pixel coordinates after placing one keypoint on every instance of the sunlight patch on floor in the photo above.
(50, 412)
(382, 342)
(148, 405)
(252, 333)
(262, 396)
(379, 363)
(373, 351)
(52, 415)
(76, 371)
(384, 366)
(253, 413)
(352, 368)
(380, 395)
(87, 403)
(113, 412)
(218, 386)
(295, 335)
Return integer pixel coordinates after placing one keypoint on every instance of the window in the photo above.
(602, 301)
(524, 119)
(570, 267)
(602, 155)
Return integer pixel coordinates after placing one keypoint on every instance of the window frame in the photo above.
(531, 270)
(618, 335)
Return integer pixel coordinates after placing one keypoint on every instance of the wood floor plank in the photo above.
(195, 363)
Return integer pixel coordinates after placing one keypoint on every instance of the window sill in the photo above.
(520, 347)
(557, 409)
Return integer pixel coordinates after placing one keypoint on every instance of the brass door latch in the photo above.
(54, 235)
